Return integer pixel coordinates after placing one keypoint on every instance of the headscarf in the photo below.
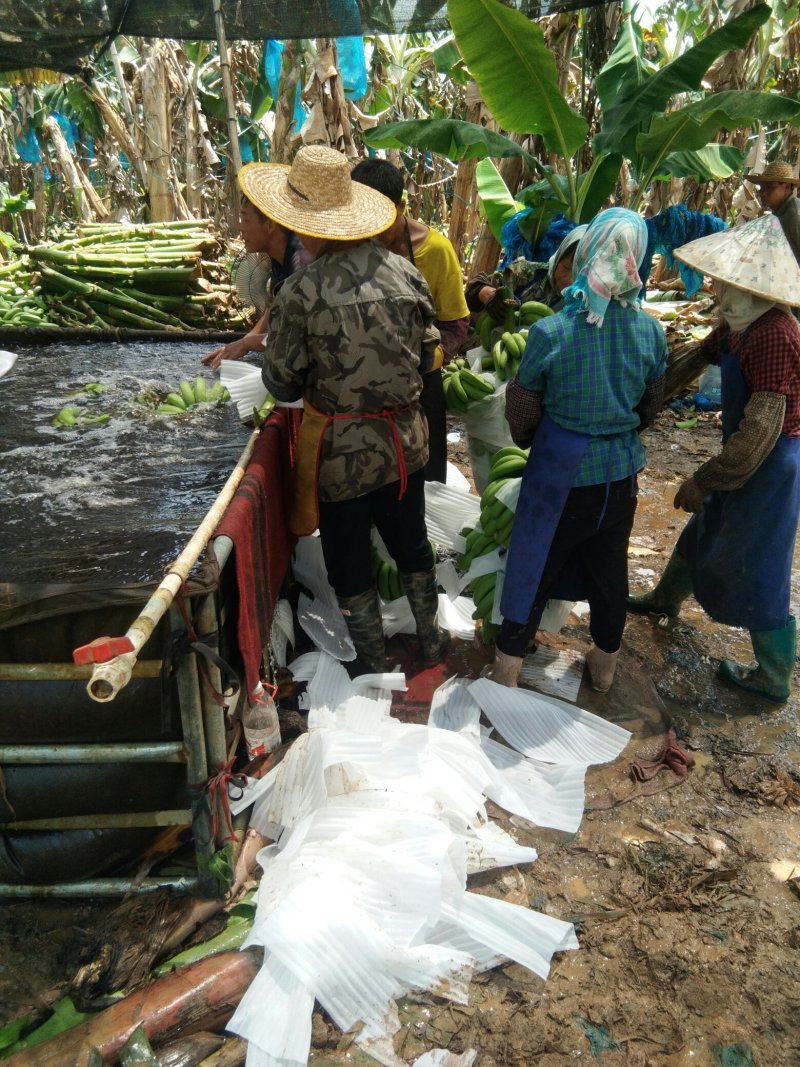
(569, 241)
(739, 307)
(606, 264)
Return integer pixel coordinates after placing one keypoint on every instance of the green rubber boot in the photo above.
(673, 587)
(775, 652)
(423, 595)
(362, 614)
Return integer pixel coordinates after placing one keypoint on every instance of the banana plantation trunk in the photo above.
(118, 130)
(487, 249)
(284, 105)
(69, 169)
(158, 137)
(464, 210)
(330, 118)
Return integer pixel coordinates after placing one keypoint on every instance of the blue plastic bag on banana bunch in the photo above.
(485, 423)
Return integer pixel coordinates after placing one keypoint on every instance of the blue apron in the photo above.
(740, 547)
(547, 479)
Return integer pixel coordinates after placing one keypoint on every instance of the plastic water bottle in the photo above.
(262, 730)
(710, 384)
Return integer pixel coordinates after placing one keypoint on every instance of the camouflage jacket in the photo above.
(352, 333)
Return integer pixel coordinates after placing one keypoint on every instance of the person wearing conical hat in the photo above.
(735, 553)
(777, 190)
(351, 334)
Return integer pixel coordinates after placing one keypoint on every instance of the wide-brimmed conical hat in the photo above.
(756, 257)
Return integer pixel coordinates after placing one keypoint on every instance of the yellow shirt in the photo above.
(437, 261)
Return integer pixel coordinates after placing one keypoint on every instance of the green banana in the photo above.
(457, 387)
(535, 307)
(509, 450)
(186, 391)
(176, 401)
(509, 467)
(170, 409)
(489, 493)
(200, 390)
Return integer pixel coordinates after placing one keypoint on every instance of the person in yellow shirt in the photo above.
(436, 260)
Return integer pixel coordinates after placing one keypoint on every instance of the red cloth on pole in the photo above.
(257, 521)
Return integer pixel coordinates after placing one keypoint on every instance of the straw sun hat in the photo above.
(755, 257)
(316, 196)
(775, 172)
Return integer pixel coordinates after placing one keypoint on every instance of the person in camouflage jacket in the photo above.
(352, 334)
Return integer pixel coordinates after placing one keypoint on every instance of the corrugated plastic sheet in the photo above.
(548, 729)
(364, 899)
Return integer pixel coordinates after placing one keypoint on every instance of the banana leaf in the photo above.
(692, 127)
(596, 185)
(497, 203)
(516, 73)
(712, 163)
(448, 137)
(622, 122)
(626, 69)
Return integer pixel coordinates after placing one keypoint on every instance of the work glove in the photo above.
(690, 497)
(500, 304)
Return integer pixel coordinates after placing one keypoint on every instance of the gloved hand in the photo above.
(499, 304)
(689, 496)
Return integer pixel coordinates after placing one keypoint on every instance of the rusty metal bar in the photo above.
(124, 820)
(98, 887)
(70, 672)
(139, 752)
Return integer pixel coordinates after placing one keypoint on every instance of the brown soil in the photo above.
(685, 900)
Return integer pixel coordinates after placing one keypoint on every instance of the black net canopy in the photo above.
(58, 34)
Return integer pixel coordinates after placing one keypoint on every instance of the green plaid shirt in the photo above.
(591, 380)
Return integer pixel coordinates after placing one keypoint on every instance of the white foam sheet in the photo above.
(447, 511)
(282, 632)
(544, 793)
(324, 624)
(455, 479)
(281, 1004)
(548, 729)
(525, 936)
(440, 1057)
(363, 900)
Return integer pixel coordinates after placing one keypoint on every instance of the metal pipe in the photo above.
(70, 672)
(188, 685)
(124, 820)
(99, 887)
(109, 677)
(142, 752)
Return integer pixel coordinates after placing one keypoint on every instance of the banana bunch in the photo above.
(463, 387)
(531, 311)
(505, 355)
(507, 463)
(386, 577)
(482, 588)
(189, 395)
(496, 518)
(71, 418)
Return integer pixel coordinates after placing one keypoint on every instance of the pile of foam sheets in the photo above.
(377, 826)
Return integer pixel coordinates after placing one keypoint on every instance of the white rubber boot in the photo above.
(602, 666)
(505, 669)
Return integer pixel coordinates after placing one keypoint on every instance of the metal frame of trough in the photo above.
(203, 746)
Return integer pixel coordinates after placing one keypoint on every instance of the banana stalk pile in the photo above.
(21, 303)
(492, 532)
(463, 387)
(189, 395)
(164, 276)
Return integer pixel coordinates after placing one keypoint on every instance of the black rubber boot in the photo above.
(673, 587)
(423, 596)
(362, 614)
(775, 651)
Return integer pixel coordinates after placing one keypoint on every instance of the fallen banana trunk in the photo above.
(232, 1054)
(202, 996)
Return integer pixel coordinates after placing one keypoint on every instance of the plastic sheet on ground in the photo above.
(378, 824)
(548, 729)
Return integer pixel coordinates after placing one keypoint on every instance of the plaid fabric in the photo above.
(592, 379)
(769, 358)
(523, 413)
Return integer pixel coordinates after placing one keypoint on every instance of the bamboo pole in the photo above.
(110, 677)
(227, 86)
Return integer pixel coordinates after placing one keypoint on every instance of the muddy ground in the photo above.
(684, 891)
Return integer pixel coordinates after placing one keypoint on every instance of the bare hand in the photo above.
(690, 497)
(235, 350)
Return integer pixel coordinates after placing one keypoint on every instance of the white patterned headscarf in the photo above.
(606, 264)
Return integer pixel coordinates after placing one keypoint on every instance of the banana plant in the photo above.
(516, 74)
